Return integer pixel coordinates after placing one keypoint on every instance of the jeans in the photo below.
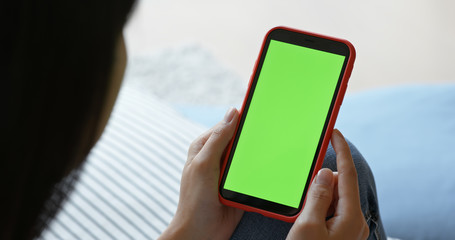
(256, 226)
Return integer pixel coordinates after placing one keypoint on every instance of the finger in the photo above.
(348, 188)
(318, 199)
(198, 143)
(334, 203)
(219, 138)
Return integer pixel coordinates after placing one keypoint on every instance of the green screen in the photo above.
(285, 119)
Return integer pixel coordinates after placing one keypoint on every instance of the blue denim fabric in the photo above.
(256, 226)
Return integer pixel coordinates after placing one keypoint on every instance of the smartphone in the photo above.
(286, 122)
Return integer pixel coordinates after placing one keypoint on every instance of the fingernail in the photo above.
(324, 177)
(337, 132)
(229, 115)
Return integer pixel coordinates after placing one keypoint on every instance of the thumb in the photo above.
(220, 136)
(319, 198)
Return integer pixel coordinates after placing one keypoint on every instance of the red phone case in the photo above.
(326, 139)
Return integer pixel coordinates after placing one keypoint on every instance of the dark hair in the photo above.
(59, 56)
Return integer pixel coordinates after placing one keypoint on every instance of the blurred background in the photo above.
(397, 42)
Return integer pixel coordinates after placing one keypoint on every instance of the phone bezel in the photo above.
(305, 40)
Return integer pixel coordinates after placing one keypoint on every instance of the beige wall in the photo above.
(397, 41)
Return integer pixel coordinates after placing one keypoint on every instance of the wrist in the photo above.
(173, 233)
(177, 230)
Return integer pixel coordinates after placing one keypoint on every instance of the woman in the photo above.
(65, 64)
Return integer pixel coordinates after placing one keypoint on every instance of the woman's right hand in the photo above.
(336, 195)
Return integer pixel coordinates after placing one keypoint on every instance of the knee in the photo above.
(359, 161)
(330, 159)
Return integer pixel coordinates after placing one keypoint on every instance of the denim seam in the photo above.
(369, 218)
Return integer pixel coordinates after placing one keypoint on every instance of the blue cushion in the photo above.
(407, 136)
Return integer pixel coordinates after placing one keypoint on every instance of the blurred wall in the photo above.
(397, 42)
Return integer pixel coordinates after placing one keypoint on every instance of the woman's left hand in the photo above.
(200, 215)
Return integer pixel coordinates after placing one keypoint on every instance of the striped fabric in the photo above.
(129, 187)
